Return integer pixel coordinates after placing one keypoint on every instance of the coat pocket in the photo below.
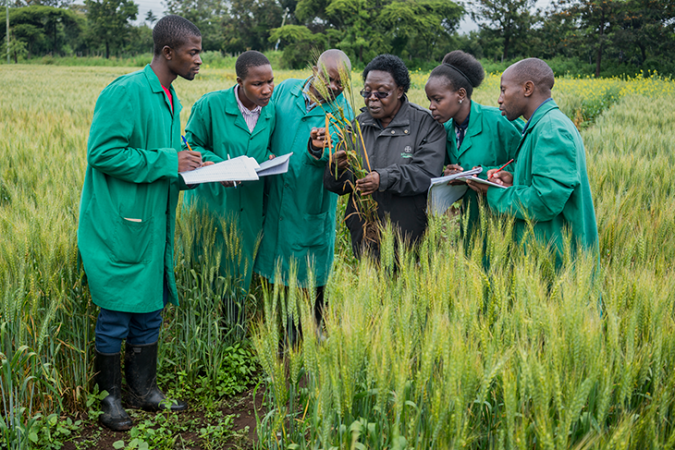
(313, 233)
(133, 240)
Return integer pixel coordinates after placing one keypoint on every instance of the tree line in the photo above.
(603, 36)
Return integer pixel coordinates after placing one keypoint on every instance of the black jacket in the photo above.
(406, 155)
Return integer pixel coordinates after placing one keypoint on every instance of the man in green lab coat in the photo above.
(299, 223)
(549, 184)
(225, 124)
(127, 215)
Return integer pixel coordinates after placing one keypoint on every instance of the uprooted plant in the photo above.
(349, 138)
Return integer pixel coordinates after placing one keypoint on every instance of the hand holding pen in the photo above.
(189, 159)
(501, 178)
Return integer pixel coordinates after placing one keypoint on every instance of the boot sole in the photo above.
(117, 427)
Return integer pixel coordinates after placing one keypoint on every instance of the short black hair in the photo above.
(248, 59)
(535, 70)
(173, 31)
(392, 65)
(461, 70)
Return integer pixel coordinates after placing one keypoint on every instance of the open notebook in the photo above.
(241, 168)
(442, 195)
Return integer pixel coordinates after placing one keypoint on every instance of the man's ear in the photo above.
(528, 88)
(399, 92)
(239, 81)
(315, 70)
(167, 52)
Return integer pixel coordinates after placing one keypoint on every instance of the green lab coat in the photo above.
(550, 183)
(300, 219)
(128, 205)
(217, 129)
(490, 141)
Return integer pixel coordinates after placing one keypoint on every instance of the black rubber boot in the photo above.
(109, 378)
(140, 367)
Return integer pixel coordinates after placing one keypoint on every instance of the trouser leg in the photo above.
(144, 328)
(319, 305)
(111, 329)
(140, 363)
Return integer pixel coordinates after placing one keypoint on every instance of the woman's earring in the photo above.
(460, 101)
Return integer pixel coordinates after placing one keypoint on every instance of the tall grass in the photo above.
(46, 314)
(445, 321)
(483, 344)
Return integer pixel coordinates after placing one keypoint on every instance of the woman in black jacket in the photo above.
(405, 149)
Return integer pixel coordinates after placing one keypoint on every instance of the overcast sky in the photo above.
(157, 7)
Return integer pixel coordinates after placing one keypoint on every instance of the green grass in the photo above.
(515, 356)
(446, 353)
(212, 59)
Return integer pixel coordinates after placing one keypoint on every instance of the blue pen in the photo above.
(186, 143)
(235, 183)
(190, 148)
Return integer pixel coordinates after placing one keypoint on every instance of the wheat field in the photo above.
(439, 350)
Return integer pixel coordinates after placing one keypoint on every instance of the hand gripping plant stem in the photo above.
(348, 136)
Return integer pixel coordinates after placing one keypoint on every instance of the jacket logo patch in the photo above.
(407, 152)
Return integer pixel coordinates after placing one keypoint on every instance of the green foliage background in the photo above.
(600, 37)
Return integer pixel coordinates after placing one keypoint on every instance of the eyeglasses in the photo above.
(377, 94)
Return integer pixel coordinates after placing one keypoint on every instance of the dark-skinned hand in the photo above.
(188, 160)
(318, 138)
(503, 178)
(368, 184)
(340, 158)
(481, 189)
(452, 169)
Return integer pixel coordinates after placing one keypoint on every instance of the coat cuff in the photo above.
(172, 157)
(384, 179)
(185, 187)
(316, 153)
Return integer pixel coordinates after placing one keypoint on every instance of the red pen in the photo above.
(498, 170)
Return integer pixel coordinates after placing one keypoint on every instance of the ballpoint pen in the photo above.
(189, 148)
(499, 170)
(234, 182)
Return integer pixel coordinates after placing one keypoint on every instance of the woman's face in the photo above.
(382, 82)
(444, 103)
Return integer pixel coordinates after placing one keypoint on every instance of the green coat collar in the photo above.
(539, 113)
(232, 109)
(157, 88)
(534, 120)
(475, 128)
(299, 101)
